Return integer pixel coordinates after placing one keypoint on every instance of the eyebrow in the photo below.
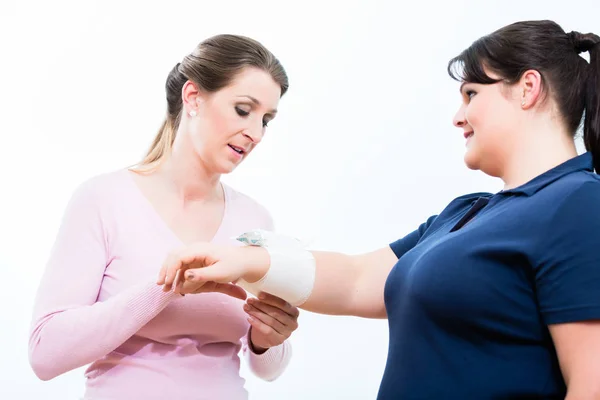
(461, 86)
(255, 101)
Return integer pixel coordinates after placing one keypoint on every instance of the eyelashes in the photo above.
(243, 114)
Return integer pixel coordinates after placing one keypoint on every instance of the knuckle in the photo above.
(266, 329)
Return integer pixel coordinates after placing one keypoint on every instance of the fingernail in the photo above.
(189, 275)
(261, 296)
(246, 307)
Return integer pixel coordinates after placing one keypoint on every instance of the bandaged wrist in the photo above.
(291, 274)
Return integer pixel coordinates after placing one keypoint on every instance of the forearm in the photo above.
(65, 339)
(343, 285)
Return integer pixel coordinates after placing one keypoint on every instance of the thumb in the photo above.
(231, 290)
(215, 272)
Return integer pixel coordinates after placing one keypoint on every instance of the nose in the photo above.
(255, 134)
(459, 118)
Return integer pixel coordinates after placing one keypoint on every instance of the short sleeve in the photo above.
(567, 274)
(401, 246)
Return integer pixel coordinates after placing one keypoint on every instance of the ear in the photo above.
(191, 97)
(530, 88)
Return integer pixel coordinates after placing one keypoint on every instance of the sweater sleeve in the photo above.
(70, 328)
(270, 364)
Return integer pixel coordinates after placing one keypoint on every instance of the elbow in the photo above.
(43, 369)
(44, 366)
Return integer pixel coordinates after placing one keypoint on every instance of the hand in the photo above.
(272, 321)
(195, 266)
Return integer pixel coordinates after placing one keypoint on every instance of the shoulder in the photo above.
(98, 192)
(579, 199)
(248, 208)
(103, 183)
(580, 182)
(573, 223)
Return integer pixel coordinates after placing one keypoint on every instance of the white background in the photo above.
(363, 149)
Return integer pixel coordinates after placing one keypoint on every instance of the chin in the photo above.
(226, 167)
(471, 161)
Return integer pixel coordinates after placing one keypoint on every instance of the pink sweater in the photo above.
(98, 303)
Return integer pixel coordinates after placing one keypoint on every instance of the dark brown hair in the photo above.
(211, 66)
(545, 47)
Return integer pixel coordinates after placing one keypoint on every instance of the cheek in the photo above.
(226, 123)
(214, 126)
(474, 114)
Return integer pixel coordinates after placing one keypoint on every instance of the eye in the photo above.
(265, 123)
(242, 113)
(470, 94)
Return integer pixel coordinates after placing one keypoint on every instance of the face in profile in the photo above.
(231, 122)
(488, 119)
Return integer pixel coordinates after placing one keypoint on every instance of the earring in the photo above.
(192, 113)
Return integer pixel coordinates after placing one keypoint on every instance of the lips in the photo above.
(469, 134)
(237, 149)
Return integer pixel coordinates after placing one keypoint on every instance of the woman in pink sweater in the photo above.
(98, 302)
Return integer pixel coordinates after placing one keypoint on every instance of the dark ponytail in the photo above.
(591, 125)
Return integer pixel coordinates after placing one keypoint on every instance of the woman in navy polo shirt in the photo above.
(498, 295)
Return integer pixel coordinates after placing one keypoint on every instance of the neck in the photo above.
(537, 151)
(190, 181)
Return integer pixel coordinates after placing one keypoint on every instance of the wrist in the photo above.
(254, 348)
(258, 261)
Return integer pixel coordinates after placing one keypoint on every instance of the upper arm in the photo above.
(578, 349)
(374, 269)
(77, 261)
(567, 265)
(567, 278)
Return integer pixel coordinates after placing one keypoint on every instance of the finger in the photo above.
(213, 287)
(180, 259)
(180, 276)
(288, 322)
(216, 273)
(171, 266)
(178, 282)
(231, 290)
(266, 330)
(267, 319)
(280, 314)
(279, 303)
(164, 269)
(161, 275)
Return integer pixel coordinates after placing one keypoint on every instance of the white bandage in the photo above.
(291, 275)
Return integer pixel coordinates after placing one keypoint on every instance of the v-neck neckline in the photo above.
(159, 221)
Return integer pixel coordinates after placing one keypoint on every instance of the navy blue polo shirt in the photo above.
(475, 288)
